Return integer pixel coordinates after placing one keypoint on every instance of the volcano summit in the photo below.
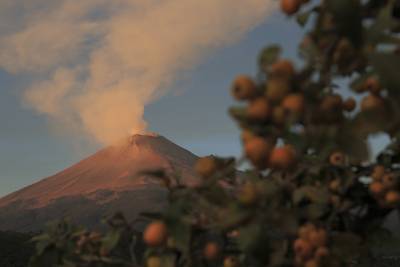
(110, 180)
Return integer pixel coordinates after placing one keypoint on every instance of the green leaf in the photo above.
(151, 215)
(376, 33)
(302, 18)
(111, 240)
(387, 65)
(315, 194)
(315, 211)
(347, 246)
(254, 240)
(347, 15)
(238, 113)
(268, 56)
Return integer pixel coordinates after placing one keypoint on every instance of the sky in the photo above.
(67, 70)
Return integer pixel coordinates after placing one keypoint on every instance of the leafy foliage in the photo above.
(315, 196)
(15, 249)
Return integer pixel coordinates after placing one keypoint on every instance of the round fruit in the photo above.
(206, 166)
(303, 248)
(305, 230)
(104, 252)
(321, 253)
(311, 263)
(335, 185)
(290, 7)
(259, 109)
(211, 251)
(377, 188)
(392, 198)
(294, 103)
(389, 181)
(231, 261)
(155, 234)
(171, 243)
(248, 194)
(318, 238)
(331, 102)
(277, 89)
(372, 103)
(349, 105)
(373, 85)
(244, 88)
(279, 116)
(282, 157)
(153, 261)
(247, 135)
(378, 172)
(337, 159)
(258, 150)
(283, 68)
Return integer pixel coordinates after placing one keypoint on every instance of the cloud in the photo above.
(101, 62)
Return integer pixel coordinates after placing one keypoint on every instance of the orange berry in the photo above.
(372, 103)
(279, 115)
(259, 109)
(246, 135)
(282, 157)
(373, 85)
(303, 248)
(244, 88)
(349, 105)
(231, 261)
(171, 243)
(311, 263)
(305, 230)
(294, 103)
(155, 234)
(321, 253)
(318, 238)
(248, 194)
(337, 159)
(290, 7)
(377, 188)
(335, 185)
(277, 89)
(283, 68)
(206, 166)
(392, 198)
(378, 172)
(258, 150)
(390, 180)
(211, 251)
(153, 261)
(331, 102)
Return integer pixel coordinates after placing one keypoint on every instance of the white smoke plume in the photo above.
(98, 63)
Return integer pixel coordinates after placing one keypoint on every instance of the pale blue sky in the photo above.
(194, 115)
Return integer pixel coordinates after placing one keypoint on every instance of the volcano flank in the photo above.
(111, 180)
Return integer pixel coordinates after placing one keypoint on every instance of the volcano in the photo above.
(113, 179)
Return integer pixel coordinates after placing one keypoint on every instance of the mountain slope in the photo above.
(108, 181)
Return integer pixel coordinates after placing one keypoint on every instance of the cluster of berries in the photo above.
(374, 100)
(385, 187)
(275, 104)
(310, 247)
